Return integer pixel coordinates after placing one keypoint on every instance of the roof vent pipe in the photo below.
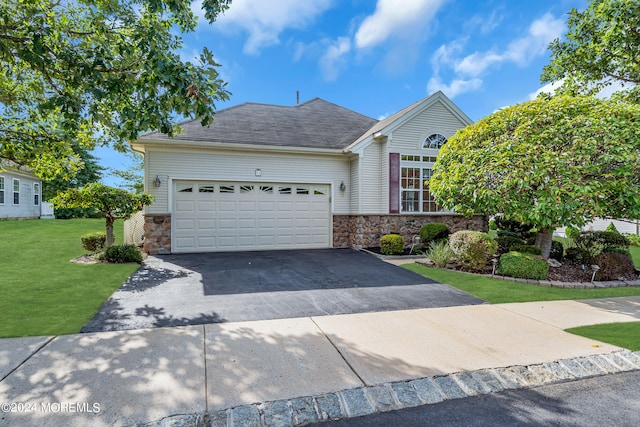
(297, 97)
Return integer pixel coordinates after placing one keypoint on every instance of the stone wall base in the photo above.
(157, 234)
(348, 230)
(365, 230)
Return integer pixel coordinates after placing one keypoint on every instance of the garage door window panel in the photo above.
(206, 188)
(184, 188)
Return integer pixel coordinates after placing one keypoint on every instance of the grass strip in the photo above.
(497, 291)
(625, 335)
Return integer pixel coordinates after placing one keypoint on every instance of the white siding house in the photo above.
(314, 175)
(20, 193)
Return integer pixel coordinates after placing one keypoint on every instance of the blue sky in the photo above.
(379, 56)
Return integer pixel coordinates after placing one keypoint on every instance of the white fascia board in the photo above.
(140, 146)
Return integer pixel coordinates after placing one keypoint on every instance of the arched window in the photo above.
(434, 141)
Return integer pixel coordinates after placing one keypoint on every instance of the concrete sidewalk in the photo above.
(304, 368)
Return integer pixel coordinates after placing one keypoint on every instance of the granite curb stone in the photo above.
(404, 394)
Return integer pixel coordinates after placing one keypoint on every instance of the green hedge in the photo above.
(123, 253)
(523, 266)
(527, 249)
(391, 244)
(433, 231)
(94, 242)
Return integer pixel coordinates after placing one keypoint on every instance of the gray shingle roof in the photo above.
(313, 124)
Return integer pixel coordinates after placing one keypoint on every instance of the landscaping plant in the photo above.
(593, 243)
(113, 203)
(542, 163)
(526, 249)
(391, 244)
(122, 254)
(93, 242)
(432, 232)
(440, 253)
(472, 248)
(523, 266)
(613, 266)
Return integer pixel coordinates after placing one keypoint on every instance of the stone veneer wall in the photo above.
(365, 230)
(157, 234)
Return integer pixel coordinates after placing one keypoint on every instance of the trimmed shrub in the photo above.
(611, 228)
(472, 248)
(94, 242)
(572, 232)
(440, 253)
(596, 242)
(526, 249)
(578, 255)
(557, 250)
(123, 253)
(433, 231)
(492, 224)
(505, 242)
(613, 265)
(523, 266)
(633, 239)
(391, 244)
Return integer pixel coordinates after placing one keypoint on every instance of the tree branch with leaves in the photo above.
(97, 72)
(113, 203)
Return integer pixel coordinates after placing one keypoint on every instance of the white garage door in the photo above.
(228, 216)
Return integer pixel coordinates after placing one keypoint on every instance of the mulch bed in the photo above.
(567, 272)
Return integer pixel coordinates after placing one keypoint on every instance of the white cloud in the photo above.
(265, 20)
(333, 57)
(393, 19)
(549, 88)
(604, 93)
(469, 69)
(455, 88)
(541, 32)
(520, 51)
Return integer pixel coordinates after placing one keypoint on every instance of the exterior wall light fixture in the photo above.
(157, 182)
(342, 186)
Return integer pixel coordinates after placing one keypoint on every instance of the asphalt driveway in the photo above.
(174, 290)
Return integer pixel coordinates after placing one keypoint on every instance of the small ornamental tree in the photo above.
(114, 203)
(548, 162)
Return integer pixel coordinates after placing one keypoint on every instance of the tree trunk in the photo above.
(543, 241)
(110, 237)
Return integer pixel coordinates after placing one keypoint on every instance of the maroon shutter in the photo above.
(394, 183)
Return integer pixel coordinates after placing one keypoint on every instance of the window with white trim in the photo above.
(435, 140)
(415, 173)
(1, 190)
(16, 191)
(36, 194)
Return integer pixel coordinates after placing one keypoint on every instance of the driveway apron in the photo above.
(189, 289)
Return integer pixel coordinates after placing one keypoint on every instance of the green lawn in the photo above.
(635, 255)
(626, 335)
(42, 292)
(496, 291)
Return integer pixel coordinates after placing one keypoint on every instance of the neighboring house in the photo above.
(623, 226)
(20, 192)
(314, 175)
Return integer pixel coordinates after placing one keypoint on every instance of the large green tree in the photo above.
(113, 203)
(92, 71)
(548, 162)
(89, 171)
(601, 48)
